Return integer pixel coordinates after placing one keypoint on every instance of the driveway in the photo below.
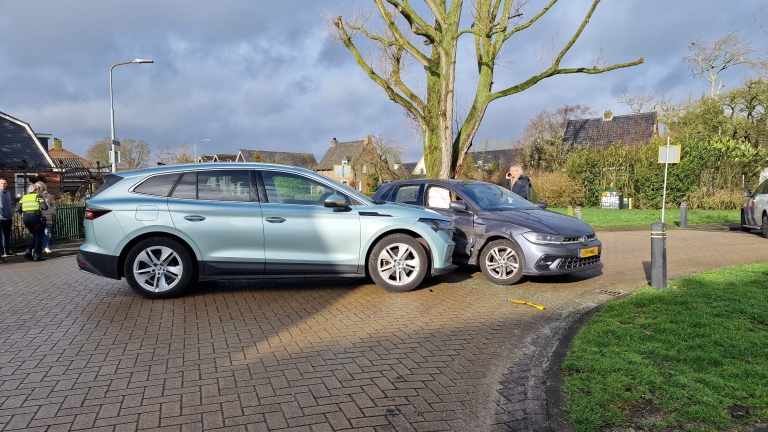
(82, 352)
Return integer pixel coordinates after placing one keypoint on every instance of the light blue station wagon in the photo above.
(165, 228)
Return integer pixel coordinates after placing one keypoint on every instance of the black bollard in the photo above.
(683, 214)
(658, 256)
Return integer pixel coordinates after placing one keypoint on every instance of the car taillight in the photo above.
(91, 214)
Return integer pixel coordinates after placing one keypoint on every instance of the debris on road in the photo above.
(539, 307)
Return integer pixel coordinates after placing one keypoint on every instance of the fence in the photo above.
(67, 225)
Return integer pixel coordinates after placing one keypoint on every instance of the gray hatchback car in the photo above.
(503, 233)
(164, 228)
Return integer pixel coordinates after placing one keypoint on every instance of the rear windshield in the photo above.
(109, 181)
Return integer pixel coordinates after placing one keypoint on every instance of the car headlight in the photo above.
(542, 238)
(437, 224)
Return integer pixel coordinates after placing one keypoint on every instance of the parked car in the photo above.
(166, 227)
(503, 233)
(754, 212)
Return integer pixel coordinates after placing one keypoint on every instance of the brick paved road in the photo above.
(79, 352)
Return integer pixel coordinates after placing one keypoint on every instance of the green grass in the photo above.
(611, 218)
(691, 357)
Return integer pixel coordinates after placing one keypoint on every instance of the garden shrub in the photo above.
(557, 189)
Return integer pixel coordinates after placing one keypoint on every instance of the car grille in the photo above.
(590, 237)
(574, 262)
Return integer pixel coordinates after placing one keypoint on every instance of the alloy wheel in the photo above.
(158, 268)
(502, 262)
(398, 264)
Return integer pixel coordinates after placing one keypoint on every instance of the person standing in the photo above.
(48, 215)
(6, 218)
(517, 182)
(31, 208)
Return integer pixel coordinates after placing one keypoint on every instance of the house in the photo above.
(629, 130)
(24, 157)
(347, 162)
(303, 160)
(224, 157)
(204, 158)
(76, 175)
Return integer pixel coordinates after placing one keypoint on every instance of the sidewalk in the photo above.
(57, 250)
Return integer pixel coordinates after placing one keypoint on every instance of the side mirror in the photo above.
(541, 204)
(748, 193)
(336, 201)
(458, 206)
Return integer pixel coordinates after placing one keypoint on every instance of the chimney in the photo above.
(334, 142)
(608, 115)
(57, 144)
(367, 139)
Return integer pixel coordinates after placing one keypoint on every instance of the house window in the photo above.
(365, 169)
(345, 182)
(22, 182)
(359, 186)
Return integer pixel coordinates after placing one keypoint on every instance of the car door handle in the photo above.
(194, 218)
(275, 220)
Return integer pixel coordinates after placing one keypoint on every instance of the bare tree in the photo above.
(381, 160)
(542, 139)
(405, 38)
(133, 154)
(174, 154)
(708, 60)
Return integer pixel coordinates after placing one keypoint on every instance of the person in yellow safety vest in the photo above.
(31, 207)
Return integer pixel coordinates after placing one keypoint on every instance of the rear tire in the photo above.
(764, 226)
(501, 262)
(159, 268)
(398, 263)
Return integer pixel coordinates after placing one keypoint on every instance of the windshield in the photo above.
(492, 197)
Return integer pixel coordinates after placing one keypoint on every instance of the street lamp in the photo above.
(195, 145)
(113, 157)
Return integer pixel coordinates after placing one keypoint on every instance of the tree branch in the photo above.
(556, 71)
(391, 92)
(417, 24)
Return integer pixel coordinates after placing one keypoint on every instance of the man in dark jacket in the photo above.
(517, 182)
(6, 218)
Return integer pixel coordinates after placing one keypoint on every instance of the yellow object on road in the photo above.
(539, 307)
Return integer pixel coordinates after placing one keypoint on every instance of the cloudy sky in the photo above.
(264, 75)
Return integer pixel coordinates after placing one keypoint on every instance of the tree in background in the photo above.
(707, 60)
(746, 109)
(174, 154)
(133, 155)
(405, 38)
(542, 139)
(381, 161)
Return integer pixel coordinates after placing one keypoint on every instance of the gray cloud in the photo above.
(264, 75)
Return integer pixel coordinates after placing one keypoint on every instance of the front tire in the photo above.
(764, 226)
(501, 262)
(159, 268)
(398, 263)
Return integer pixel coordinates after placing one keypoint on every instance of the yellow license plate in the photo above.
(588, 252)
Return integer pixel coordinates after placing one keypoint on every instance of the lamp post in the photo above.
(195, 145)
(113, 157)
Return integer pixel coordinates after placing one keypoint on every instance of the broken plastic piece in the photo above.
(539, 307)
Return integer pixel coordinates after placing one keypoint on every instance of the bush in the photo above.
(557, 189)
(719, 199)
(709, 172)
